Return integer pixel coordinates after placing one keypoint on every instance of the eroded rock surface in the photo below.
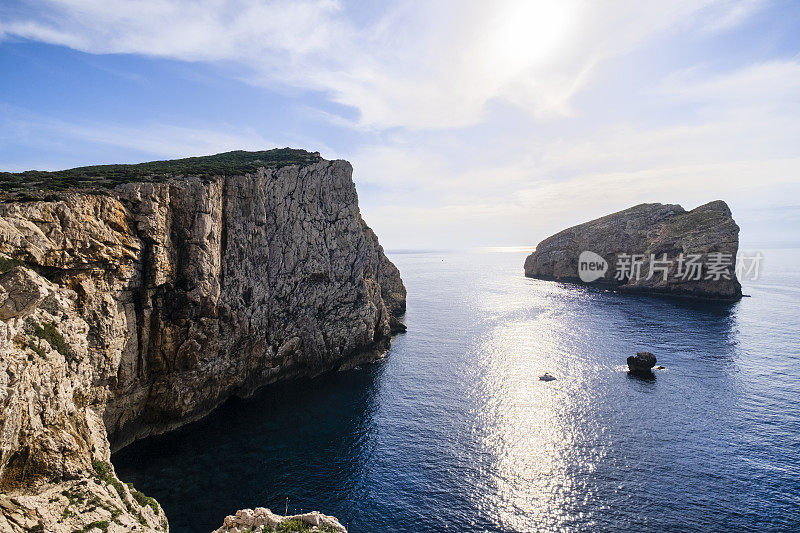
(705, 238)
(642, 362)
(261, 520)
(135, 310)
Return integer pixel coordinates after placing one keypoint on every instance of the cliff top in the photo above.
(228, 163)
(653, 213)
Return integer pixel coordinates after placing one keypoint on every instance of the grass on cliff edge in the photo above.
(226, 164)
(292, 525)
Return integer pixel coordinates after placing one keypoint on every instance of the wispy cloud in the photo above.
(473, 122)
(735, 140)
(154, 139)
(417, 65)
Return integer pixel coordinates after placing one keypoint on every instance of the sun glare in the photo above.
(527, 34)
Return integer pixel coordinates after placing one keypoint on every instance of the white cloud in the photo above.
(736, 139)
(529, 215)
(439, 88)
(419, 65)
(735, 14)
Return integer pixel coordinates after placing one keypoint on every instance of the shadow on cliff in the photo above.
(290, 440)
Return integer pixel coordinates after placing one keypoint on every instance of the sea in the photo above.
(454, 431)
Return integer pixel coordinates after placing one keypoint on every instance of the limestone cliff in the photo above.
(135, 304)
(649, 248)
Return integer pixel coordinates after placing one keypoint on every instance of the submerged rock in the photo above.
(261, 519)
(132, 310)
(642, 363)
(649, 248)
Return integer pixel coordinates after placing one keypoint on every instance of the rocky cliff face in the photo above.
(649, 248)
(130, 311)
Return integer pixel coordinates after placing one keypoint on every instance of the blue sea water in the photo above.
(453, 431)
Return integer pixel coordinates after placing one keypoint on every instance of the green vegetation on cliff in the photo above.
(226, 164)
(7, 263)
(295, 524)
(50, 333)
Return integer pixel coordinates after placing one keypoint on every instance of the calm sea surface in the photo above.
(454, 431)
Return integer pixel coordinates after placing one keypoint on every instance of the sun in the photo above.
(527, 34)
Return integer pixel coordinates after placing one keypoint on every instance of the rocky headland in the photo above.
(649, 248)
(137, 298)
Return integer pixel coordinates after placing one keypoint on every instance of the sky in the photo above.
(468, 123)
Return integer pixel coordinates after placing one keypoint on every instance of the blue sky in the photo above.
(468, 123)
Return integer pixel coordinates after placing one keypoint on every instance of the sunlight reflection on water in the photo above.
(532, 429)
(454, 430)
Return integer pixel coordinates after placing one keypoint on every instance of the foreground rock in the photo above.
(649, 248)
(132, 310)
(260, 520)
(643, 363)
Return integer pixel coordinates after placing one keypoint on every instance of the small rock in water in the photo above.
(546, 377)
(642, 363)
(659, 367)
